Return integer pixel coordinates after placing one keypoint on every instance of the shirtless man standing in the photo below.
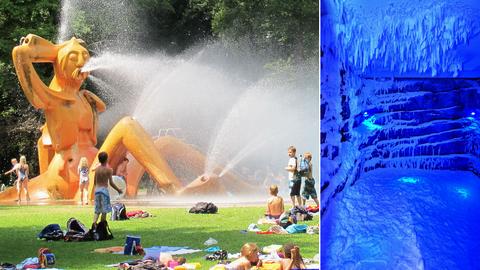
(103, 176)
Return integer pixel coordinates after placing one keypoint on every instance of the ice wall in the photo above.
(383, 104)
(405, 35)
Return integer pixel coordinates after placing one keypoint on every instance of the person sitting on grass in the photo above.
(103, 176)
(275, 206)
(249, 258)
(293, 259)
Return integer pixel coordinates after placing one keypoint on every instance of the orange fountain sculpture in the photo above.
(71, 127)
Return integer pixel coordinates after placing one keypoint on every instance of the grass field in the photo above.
(19, 226)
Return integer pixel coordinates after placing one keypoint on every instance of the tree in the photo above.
(279, 28)
(19, 122)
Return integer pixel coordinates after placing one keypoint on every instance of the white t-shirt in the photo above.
(292, 163)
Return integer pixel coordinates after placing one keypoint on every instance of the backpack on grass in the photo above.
(51, 232)
(301, 211)
(101, 231)
(119, 212)
(204, 208)
(45, 257)
(76, 231)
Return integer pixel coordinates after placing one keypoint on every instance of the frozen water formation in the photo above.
(410, 219)
(421, 36)
(399, 98)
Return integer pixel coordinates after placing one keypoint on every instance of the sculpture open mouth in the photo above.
(79, 75)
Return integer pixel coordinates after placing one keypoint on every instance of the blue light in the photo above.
(473, 113)
(365, 114)
(463, 192)
(370, 123)
(410, 180)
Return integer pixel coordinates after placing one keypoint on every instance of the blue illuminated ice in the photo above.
(410, 180)
(463, 192)
(382, 222)
(405, 35)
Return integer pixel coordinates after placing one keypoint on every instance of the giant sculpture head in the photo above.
(71, 57)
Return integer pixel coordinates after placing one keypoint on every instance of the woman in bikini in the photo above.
(83, 176)
(22, 180)
(249, 258)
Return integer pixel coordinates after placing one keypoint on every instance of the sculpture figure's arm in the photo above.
(94, 101)
(33, 49)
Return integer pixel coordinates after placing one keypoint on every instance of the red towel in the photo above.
(265, 232)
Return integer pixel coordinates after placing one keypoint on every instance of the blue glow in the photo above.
(410, 180)
(400, 112)
(370, 123)
(463, 192)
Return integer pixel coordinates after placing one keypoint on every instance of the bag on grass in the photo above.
(204, 208)
(101, 231)
(133, 246)
(51, 232)
(76, 231)
(119, 212)
(45, 257)
(301, 211)
(217, 255)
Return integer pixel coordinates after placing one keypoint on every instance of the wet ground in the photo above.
(158, 201)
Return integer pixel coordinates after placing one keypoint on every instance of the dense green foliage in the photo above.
(281, 29)
(19, 122)
(169, 227)
(284, 31)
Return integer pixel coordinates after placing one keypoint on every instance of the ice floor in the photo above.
(404, 219)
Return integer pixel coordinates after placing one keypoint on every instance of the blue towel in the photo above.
(297, 228)
(212, 249)
(154, 252)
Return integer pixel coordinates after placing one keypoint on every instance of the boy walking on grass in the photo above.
(103, 176)
(294, 180)
(309, 186)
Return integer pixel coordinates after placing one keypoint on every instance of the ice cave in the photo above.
(400, 142)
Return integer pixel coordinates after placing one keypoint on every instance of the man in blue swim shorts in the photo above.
(103, 176)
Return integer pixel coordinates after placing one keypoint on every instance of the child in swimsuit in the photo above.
(83, 178)
(22, 180)
(275, 205)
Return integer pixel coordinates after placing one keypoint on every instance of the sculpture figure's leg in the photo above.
(135, 173)
(128, 135)
(190, 166)
(45, 155)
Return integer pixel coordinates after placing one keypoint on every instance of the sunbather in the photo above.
(293, 259)
(249, 258)
(275, 206)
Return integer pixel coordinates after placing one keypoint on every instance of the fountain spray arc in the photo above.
(229, 107)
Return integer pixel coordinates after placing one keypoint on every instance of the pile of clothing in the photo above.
(138, 214)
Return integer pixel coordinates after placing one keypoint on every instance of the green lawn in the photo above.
(19, 226)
